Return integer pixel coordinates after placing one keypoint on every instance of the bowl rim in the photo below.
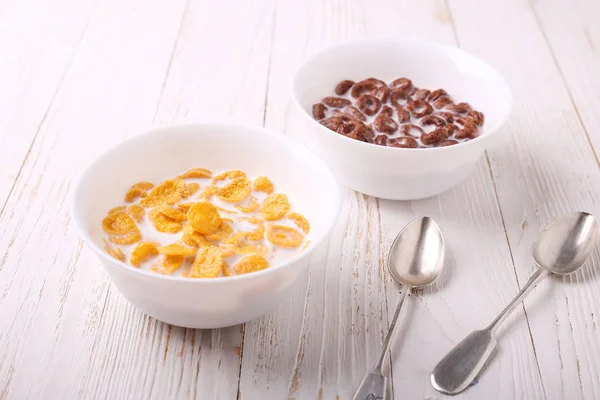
(287, 141)
(394, 40)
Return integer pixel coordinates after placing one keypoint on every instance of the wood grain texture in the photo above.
(546, 168)
(53, 293)
(349, 357)
(37, 44)
(83, 75)
(572, 35)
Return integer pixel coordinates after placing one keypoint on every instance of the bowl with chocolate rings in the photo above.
(400, 119)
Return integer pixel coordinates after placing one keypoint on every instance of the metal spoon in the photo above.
(561, 248)
(415, 260)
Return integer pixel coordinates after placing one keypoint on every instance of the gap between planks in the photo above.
(496, 197)
(564, 81)
(264, 121)
(50, 103)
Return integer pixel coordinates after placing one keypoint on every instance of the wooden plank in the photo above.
(212, 80)
(53, 291)
(344, 305)
(572, 33)
(546, 168)
(37, 45)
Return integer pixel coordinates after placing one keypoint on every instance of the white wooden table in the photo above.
(78, 76)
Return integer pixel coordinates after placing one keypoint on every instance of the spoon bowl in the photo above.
(416, 258)
(564, 245)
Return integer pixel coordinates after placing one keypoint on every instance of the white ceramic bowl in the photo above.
(166, 152)
(396, 173)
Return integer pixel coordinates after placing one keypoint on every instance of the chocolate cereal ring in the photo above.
(442, 102)
(447, 142)
(403, 114)
(385, 124)
(345, 117)
(402, 84)
(411, 130)
(368, 104)
(476, 116)
(469, 130)
(381, 140)
(419, 108)
(450, 128)
(447, 116)
(343, 87)
(436, 94)
(362, 87)
(356, 130)
(387, 110)
(422, 94)
(318, 111)
(460, 108)
(375, 81)
(336, 102)
(355, 112)
(397, 95)
(332, 123)
(403, 142)
(434, 137)
(382, 93)
(433, 120)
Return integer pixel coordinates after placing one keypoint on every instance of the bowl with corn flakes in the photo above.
(206, 225)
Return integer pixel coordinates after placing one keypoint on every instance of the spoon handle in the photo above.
(455, 372)
(388, 337)
(533, 280)
(373, 386)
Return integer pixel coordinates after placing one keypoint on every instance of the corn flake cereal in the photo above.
(176, 249)
(201, 243)
(163, 223)
(116, 252)
(142, 252)
(235, 191)
(119, 223)
(184, 207)
(284, 236)
(143, 185)
(274, 207)
(300, 221)
(258, 233)
(224, 231)
(263, 184)
(134, 193)
(231, 174)
(137, 212)
(169, 264)
(193, 188)
(193, 238)
(173, 213)
(169, 192)
(208, 263)
(130, 238)
(251, 207)
(196, 173)
(117, 209)
(208, 192)
(226, 269)
(204, 217)
(251, 263)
